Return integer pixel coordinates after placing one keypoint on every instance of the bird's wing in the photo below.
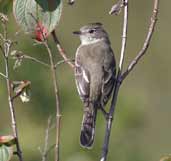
(82, 82)
(109, 76)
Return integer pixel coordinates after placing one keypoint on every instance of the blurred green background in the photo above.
(141, 129)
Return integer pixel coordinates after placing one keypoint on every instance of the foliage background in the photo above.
(141, 129)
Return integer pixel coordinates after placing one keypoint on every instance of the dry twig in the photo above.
(61, 50)
(6, 51)
(56, 91)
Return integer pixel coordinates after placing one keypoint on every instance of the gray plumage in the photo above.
(95, 76)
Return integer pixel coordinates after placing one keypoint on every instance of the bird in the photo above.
(95, 72)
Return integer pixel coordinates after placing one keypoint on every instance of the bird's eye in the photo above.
(92, 31)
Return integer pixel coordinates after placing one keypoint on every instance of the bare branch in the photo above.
(61, 50)
(56, 91)
(10, 100)
(120, 76)
(146, 42)
(117, 85)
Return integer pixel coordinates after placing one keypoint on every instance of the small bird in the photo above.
(95, 70)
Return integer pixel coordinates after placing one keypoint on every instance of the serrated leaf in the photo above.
(29, 13)
(7, 140)
(6, 153)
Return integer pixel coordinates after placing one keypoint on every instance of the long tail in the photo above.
(88, 127)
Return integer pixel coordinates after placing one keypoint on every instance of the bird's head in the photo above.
(91, 33)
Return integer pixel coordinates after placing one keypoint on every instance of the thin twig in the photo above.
(56, 90)
(117, 85)
(3, 75)
(64, 61)
(6, 50)
(12, 109)
(61, 50)
(146, 42)
(18, 55)
(36, 60)
(45, 150)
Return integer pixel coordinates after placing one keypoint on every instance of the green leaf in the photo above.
(28, 13)
(49, 5)
(6, 153)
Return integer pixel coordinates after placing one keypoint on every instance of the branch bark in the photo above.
(120, 76)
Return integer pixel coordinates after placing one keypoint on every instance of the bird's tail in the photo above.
(88, 127)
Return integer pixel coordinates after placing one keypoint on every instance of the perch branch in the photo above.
(146, 42)
(120, 76)
(58, 115)
(61, 50)
(117, 85)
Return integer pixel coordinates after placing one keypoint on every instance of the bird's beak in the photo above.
(77, 32)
